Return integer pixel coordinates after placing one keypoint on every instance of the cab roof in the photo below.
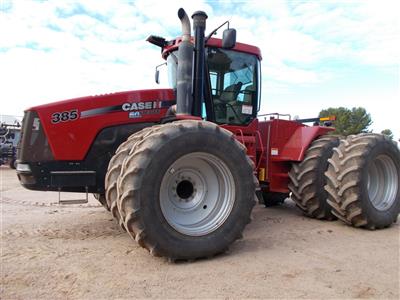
(213, 42)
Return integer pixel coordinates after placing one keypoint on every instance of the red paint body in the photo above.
(272, 145)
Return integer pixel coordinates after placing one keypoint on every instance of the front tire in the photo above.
(114, 171)
(102, 200)
(187, 190)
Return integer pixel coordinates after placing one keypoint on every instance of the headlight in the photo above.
(23, 168)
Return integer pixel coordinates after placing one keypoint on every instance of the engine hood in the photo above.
(74, 123)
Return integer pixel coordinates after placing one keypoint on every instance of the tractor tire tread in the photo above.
(130, 183)
(114, 171)
(307, 193)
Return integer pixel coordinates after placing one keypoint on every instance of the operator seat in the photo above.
(230, 93)
(228, 96)
(235, 112)
(249, 94)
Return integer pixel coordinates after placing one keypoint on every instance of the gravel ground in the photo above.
(51, 251)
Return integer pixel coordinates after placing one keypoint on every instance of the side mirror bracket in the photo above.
(157, 73)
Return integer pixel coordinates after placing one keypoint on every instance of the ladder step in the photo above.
(74, 201)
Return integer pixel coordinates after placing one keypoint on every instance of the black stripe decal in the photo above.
(117, 108)
(100, 111)
(166, 104)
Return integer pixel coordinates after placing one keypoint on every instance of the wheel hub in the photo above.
(197, 194)
(382, 182)
(185, 189)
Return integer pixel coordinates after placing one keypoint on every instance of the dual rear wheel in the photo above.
(356, 179)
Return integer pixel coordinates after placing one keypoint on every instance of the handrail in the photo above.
(262, 148)
(276, 114)
(241, 135)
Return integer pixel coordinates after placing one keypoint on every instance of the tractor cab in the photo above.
(232, 79)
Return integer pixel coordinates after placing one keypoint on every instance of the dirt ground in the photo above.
(50, 251)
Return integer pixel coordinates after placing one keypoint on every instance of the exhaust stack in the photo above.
(184, 98)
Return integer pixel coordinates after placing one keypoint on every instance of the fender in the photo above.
(300, 141)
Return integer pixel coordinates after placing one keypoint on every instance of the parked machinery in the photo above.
(9, 138)
(181, 168)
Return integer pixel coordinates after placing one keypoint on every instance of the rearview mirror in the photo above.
(157, 76)
(229, 38)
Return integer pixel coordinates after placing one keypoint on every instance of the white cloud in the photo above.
(103, 48)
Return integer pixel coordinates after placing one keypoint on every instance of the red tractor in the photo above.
(181, 168)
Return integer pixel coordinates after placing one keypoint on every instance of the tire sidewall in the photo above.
(157, 227)
(386, 217)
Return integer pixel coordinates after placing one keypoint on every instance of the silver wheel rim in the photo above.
(382, 182)
(197, 194)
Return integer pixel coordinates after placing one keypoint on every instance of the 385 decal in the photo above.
(64, 116)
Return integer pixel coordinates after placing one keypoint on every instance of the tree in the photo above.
(348, 121)
(388, 133)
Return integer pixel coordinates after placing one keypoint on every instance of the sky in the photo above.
(316, 54)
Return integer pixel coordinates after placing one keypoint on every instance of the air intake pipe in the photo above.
(184, 98)
(199, 26)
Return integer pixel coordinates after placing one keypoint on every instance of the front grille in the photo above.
(33, 146)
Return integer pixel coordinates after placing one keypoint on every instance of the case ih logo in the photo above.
(147, 107)
(141, 105)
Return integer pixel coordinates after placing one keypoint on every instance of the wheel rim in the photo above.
(197, 194)
(382, 182)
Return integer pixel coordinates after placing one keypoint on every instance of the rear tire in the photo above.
(307, 179)
(181, 192)
(364, 181)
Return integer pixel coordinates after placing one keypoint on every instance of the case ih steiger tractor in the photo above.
(181, 168)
